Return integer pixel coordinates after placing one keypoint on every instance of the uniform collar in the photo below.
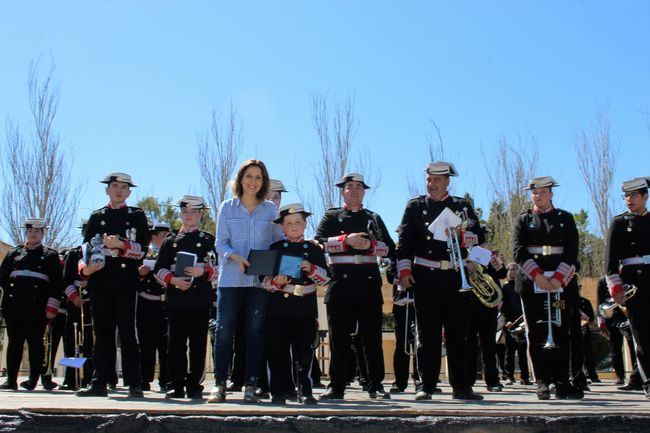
(644, 213)
(542, 211)
(116, 206)
(32, 248)
(301, 239)
(345, 207)
(184, 230)
(436, 200)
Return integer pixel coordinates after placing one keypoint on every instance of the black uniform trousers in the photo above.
(86, 350)
(342, 319)
(582, 356)
(549, 364)
(483, 328)
(152, 337)
(187, 326)
(520, 349)
(290, 348)
(442, 305)
(404, 341)
(111, 309)
(25, 326)
(616, 346)
(58, 331)
(638, 308)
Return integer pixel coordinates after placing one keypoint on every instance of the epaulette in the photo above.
(135, 208)
(333, 208)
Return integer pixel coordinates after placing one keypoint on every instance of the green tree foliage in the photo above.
(158, 210)
(591, 254)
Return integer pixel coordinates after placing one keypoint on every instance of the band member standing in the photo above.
(188, 298)
(545, 243)
(617, 327)
(292, 320)
(118, 232)
(30, 275)
(628, 263)
(424, 263)
(483, 327)
(582, 356)
(516, 343)
(151, 315)
(354, 237)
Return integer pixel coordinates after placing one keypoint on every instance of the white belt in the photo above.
(26, 273)
(434, 264)
(151, 297)
(546, 250)
(643, 260)
(353, 260)
(299, 290)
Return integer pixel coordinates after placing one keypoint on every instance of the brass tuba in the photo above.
(484, 287)
(47, 345)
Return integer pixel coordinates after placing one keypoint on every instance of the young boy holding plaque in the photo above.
(189, 296)
(291, 325)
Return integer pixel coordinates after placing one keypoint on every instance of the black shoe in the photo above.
(318, 385)
(307, 400)
(423, 395)
(291, 394)
(112, 386)
(175, 393)
(29, 384)
(510, 382)
(331, 394)
(566, 391)
(66, 387)
(146, 386)
(379, 393)
(466, 394)
(195, 394)
(49, 385)
(135, 391)
(163, 388)
(595, 379)
(279, 400)
(9, 386)
(619, 382)
(495, 388)
(234, 387)
(93, 391)
(543, 393)
(396, 389)
(631, 387)
(262, 394)
(525, 382)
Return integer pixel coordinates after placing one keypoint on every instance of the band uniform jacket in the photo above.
(415, 239)
(354, 283)
(603, 295)
(149, 284)
(200, 294)
(32, 280)
(629, 237)
(553, 229)
(120, 271)
(283, 304)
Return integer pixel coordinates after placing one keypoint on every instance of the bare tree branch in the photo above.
(37, 170)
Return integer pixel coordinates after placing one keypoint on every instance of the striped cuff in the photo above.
(164, 275)
(378, 248)
(318, 275)
(531, 268)
(210, 273)
(336, 244)
(404, 267)
(132, 250)
(614, 284)
(80, 267)
(52, 306)
(564, 273)
(71, 293)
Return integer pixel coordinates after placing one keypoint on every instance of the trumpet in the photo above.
(608, 308)
(552, 305)
(47, 344)
(456, 257)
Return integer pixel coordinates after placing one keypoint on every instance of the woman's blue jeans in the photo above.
(230, 300)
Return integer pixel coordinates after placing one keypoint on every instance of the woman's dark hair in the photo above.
(238, 190)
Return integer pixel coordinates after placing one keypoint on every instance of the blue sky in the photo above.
(138, 81)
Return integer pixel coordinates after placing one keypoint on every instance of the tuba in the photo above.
(484, 287)
(47, 344)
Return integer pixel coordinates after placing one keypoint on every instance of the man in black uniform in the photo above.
(617, 326)
(425, 264)
(292, 318)
(545, 243)
(151, 315)
(354, 237)
(583, 367)
(188, 298)
(30, 275)
(116, 234)
(514, 316)
(628, 263)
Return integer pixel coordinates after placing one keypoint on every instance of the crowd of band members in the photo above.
(271, 322)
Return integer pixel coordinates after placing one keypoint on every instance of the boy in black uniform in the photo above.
(30, 275)
(545, 243)
(628, 263)
(292, 316)
(188, 298)
(151, 316)
(514, 315)
(116, 233)
(354, 237)
(424, 263)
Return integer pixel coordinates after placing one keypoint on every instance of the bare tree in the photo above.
(219, 149)
(436, 151)
(335, 130)
(37, 181)
(509, 172)
(597, 162)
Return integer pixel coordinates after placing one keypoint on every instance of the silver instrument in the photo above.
(456, 257)
(553, 306)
